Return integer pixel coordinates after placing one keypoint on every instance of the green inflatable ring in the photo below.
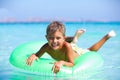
(84, 63)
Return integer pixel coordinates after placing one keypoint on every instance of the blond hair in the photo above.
(54, 26)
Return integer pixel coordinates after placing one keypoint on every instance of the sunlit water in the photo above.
(12, 35)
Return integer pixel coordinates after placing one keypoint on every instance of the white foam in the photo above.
(112, 33)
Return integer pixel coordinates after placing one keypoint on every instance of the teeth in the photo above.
(54, 44)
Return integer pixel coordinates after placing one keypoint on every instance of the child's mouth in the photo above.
(54, 45)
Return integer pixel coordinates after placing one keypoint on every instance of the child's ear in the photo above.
(46, 37)
(65, 37)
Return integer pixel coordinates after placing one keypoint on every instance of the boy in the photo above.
(59, 49)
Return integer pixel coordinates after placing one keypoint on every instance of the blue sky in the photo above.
(103, 10)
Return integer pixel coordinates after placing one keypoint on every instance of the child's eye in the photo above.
(58, 38)
(50, 37)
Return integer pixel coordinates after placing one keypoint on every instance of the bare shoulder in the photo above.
(45, 47)
(42, 50)
(67, 45)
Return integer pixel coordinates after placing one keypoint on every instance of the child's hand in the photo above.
(57, 66)
(31, 59)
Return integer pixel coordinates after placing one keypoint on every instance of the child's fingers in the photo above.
(29, 61)
(37, 59)
(56, 70)
(53, 68)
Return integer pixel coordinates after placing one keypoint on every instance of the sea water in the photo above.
(12, 35)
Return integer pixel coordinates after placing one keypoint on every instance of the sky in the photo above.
(101, 10)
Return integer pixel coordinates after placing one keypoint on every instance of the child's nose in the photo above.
(55, 40)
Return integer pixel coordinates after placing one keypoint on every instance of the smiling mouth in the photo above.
(54, 45)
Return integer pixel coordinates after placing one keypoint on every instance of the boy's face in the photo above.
(56, 40)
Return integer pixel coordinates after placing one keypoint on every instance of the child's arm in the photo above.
(35, 56)
(69, 53)
(69, 63)
(59, 64)
(69, 39)
(31, 59)
(42, 50)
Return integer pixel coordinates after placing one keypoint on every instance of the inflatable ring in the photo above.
(86, 62)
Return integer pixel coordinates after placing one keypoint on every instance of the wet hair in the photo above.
(54, 26)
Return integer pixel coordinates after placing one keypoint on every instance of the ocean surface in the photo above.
(12, 35)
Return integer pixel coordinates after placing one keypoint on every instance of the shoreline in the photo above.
(87, 22)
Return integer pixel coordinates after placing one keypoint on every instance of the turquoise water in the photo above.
(12, 35)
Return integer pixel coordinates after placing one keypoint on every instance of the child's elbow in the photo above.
(72, 64)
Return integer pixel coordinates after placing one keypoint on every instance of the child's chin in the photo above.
(55, 48)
